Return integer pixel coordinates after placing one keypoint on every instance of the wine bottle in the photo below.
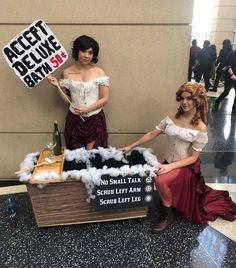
(56, 139)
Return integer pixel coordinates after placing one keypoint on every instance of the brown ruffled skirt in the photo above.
(79, 133)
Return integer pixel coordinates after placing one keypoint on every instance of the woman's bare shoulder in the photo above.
(98, 71)
(172, 116)
(201, 126)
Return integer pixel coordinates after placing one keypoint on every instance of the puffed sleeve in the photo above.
(162, 125)
(200, 142)
(64, 83)
(104, 81)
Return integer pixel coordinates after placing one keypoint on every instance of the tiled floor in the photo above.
(130, 243)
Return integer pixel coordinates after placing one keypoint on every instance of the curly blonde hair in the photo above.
(199, 98)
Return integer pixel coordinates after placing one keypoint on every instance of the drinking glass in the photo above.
(51, 146)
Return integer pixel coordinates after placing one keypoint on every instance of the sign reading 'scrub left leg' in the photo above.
(35, 53)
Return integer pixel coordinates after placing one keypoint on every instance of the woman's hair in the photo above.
(83, 43)
(227, 44)
(199, 97)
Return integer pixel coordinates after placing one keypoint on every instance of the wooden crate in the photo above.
(65, 203)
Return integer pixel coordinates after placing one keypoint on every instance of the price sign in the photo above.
(34, 53)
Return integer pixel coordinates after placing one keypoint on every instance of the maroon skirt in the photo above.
(196, 201)
(79, 133)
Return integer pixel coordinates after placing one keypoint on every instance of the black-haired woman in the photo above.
(87, 90)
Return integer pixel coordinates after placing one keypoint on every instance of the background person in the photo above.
(194, 50)
(221, 62)
(179, 180)
(205, 59)
(86, 87)
(230, 81)
(213, 52)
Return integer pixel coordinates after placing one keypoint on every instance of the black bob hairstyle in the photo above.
(83, 43)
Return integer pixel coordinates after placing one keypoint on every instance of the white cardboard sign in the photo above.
(34, 53)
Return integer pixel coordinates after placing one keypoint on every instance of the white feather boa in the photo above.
(91, 176)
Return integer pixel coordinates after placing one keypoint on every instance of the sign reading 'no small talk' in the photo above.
(124, 192)
(35, 53)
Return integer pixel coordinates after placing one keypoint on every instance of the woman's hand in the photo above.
(81, 110)
(126, 149)
(52, 80)
(164, 168)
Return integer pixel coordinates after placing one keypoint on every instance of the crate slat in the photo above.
(65, 203)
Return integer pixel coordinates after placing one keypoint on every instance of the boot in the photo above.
(169, 219)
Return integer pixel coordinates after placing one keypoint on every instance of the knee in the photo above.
(160, 181)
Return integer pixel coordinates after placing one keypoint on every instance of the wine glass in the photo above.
(51, 146)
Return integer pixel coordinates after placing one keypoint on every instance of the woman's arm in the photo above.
(164, 168)
(103, 99)
(145, 138)
(53, 80)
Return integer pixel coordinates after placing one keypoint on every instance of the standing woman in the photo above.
(86, 89)
(179, 180)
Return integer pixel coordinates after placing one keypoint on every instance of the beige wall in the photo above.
(224, 22)
(144, 49)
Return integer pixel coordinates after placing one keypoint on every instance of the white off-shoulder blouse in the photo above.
(181, 140)
(84, 93)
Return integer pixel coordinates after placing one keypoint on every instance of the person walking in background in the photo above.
(205, 58)
(87, 89)
(179, 180)
(230, 81)
(213, 52)
(194, 50)
(221, 62)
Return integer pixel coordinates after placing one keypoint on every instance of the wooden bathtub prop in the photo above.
(65, 202)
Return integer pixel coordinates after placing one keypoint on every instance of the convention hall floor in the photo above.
(130, 243)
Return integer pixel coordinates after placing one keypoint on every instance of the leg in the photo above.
(90, 145)
(206, 77)
(218, 75)
(162, 183)
(225, 93)
(198, 74)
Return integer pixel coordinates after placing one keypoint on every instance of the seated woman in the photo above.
(179, 180)
(86, 90)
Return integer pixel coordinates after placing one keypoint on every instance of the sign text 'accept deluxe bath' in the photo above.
(34, 53)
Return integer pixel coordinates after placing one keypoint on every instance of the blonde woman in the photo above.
(179, 180)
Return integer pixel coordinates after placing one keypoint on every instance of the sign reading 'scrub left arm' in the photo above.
(35, 53)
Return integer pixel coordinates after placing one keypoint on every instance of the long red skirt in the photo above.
(79, 133)
(196, 201)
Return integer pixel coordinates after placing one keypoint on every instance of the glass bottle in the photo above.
(56, 139)
(11, 209)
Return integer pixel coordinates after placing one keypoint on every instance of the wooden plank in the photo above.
(65, 203)
(55, 167)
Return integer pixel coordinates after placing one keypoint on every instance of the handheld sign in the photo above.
(35, 53)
